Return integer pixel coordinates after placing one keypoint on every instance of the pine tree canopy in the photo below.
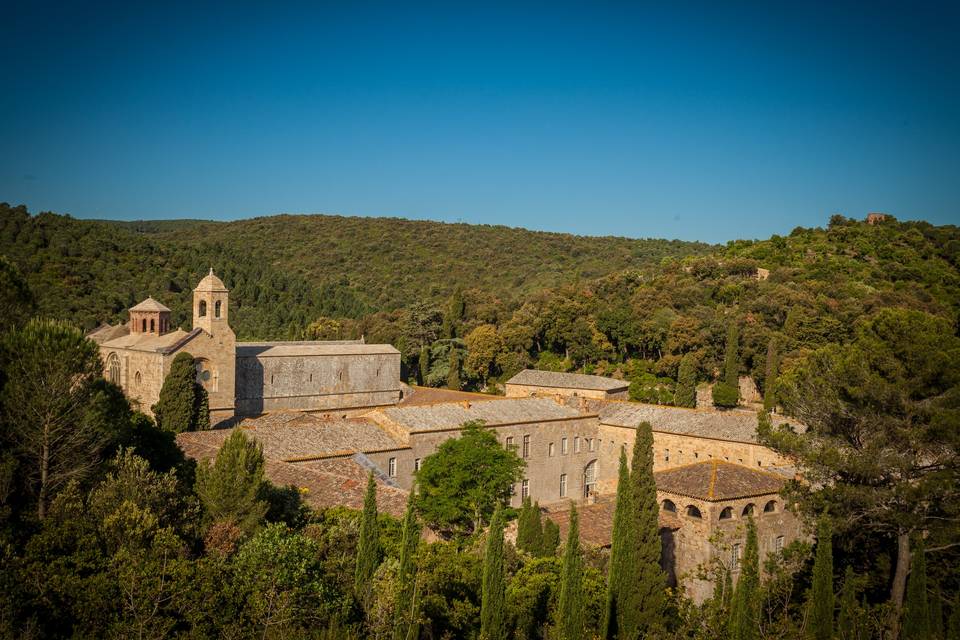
(229, 489)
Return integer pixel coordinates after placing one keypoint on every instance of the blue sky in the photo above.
(705, 121)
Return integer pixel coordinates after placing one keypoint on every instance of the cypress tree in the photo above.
(536, 528)
(820, 598)
(649, 581)
(848, 619)
(744, 617)
(524, 533)
(731, 361)
(407, 574)
(368, 548)
(551, 539)
(453, 377)
(182, 405)
(424, 363)
(916, 615)
(622, 558)
(686, 393)
(953, 623)
(570, 609)
(936, 613)
(770, 375)
(229, 488)
(493, 594)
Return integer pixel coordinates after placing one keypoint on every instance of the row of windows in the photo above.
(202, 311)
(591, 445)
(696, 456)
(725, 514)
(153, 325)
(736, 552)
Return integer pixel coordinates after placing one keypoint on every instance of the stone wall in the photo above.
(525, 391)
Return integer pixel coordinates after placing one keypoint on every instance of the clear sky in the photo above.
(688, 120)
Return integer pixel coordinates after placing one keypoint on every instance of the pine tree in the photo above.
(686, 392)
(622, 558)
(770, 375)
(571, 606)
(848, 621)
(649, 582)
(368, 548)
(551, 539)
(453, 378)
(229, 489)
(744, 616)
(406, 619)
(731, 357)
(493, 594)
(424, 363)
(916, 615)
(183, 401)
(820, 598)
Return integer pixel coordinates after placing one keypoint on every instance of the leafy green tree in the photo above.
(530, 593)
(551, 539)
(744, 622)
(916, 612)
(406, 621)
(725, 396)
(368, 550)
(483, 346)
(230, 488)
(770, 376)
(183, 401)
(731, 357)
(465, 480)
(48, 406)
(686, 393)
(571, 605)
(493, 594)
(878, 452)
(820, 599)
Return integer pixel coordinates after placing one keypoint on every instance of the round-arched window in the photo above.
(748, 510)
(202, 311)
(770, 507)
(726, 513)
(668, 505)
(693, 512)
(216, 309)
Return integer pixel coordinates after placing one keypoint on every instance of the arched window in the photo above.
(203, 308)
(590, 479)
(770, 507)
(727, 513)
(668, 505)
(748, 510)
(143, 326)
(153, 326)
(113, 368)
(137, 379)
(216, 309)
(693, 512)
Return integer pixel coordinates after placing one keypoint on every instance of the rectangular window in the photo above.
(416, 464)
(576, 444)
(590, 444)
(509, 443)
(563, 485)
(735, 557)
(563, 446)
(526, 446)
(525, 489)
(550, 450)
(392, 468)
(778, 546)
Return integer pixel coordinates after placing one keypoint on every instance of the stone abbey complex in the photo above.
(328, 413)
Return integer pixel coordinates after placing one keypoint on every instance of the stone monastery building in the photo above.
(329, 413)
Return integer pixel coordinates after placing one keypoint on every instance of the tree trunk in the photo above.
(899, 586)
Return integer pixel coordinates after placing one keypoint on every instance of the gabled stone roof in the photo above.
(452, 415)
(166, 343)
(737, 425)
(106, 332)
(419, 396)
(538, 378)
(716, 480)
(149, 305)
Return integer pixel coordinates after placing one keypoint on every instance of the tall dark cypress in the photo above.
(744, 615)
(820, 598)
(848, 620)
(424, 364)
(368, 549)
(731, 356)
(936, 613)
(686, 392)
(570, 609)
(406, 617)
(916, 614)
(623, 551)
(649, 581)
(770, 375)
(493, 593)
(551, 539)
(525, 532)
(453, 376)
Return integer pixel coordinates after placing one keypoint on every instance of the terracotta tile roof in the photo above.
(716, 480)
(418, 396)
(292, 436)
(149, 305)
(451, 415)
(538, 378)
(327, 483)
(311, 348)
(737, 425)
(596, 522)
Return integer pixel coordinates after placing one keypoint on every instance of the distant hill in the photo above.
(286, 271)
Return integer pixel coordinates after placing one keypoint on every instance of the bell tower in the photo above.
(210, 305)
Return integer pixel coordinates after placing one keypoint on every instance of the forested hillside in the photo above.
(286, 271)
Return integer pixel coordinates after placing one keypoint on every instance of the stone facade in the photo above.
(532, 382)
